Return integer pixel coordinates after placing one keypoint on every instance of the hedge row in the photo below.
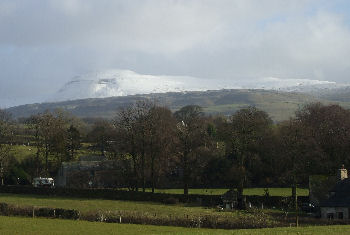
(256, 218)
(205, 200)
(205, 221)
(30, 211)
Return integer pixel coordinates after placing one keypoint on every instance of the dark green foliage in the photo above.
(171, 200)
(155, 148)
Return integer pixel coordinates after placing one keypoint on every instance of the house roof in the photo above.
(230, 195)
(341, 195)
(342, 186)
(338, 200)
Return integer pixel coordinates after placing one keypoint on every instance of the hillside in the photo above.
(279, 105)
(118, 82)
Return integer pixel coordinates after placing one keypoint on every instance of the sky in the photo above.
(44, 43)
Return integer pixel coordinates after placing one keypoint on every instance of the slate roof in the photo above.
(342, 186)
(230, 195)
(340, 195)
(338, 200)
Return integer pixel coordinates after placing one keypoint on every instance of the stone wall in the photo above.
(334, 213)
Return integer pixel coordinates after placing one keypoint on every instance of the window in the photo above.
(340, 215)
(330, 216)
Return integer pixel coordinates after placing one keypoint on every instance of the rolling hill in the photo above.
(279, 105)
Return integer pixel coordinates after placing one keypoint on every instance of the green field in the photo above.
(151, 207)
(22, 152)
(137, 208)
(15, 225)
(86, 205)
(247, 191)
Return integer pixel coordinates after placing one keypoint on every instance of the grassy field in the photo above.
(247, 191)
(15, 225)
(86, 205)
(21, 152)
(151, 207)
(147, 211)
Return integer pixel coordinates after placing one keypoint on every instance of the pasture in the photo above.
(246, 191)
(37, 226)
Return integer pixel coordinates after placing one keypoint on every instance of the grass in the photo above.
(179, 214)
(21, 152)
(86, 205)
(15, 225)
(247, 191)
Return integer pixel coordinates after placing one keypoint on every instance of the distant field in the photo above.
(14, 225)
(86, 205)
(158, 211)
(247, 191)
(21, 152)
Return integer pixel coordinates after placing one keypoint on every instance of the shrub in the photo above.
(15, 210)
(171, 200)
(67, 214)
(3, 208)
(44, 212)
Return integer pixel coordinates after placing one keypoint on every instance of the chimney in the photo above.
(342, 173)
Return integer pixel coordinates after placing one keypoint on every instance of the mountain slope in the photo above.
(125, 82)
(101, 94)
(116, 82)
(280, 105)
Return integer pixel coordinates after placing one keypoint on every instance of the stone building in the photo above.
(230, 199)
(337, 206)
(89, 172)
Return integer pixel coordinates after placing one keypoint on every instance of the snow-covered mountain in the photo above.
(125, 82)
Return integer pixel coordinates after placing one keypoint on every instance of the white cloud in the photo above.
(46, 42)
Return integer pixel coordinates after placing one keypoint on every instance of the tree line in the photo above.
(186, 148)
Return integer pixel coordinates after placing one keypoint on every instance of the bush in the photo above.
(3, 208)
(44, 212)
(171, 200)
(14, 210)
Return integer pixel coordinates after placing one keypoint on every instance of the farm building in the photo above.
(337, 206)
(229, 199)
(89, 171)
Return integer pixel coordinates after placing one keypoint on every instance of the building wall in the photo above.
(79, 174)
(326, 212)
(319, 186)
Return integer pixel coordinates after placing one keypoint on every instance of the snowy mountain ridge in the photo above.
(125, 82)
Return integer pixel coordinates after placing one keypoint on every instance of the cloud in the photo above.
(44, 43)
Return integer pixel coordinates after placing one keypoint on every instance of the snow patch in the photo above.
(125, 82)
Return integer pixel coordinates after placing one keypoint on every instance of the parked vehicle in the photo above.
(308, 207)
(43, 182)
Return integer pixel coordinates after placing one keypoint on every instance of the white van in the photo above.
(43, 182)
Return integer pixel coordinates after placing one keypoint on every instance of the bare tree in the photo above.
(192, 135)
(5, 140)
(131, 125)
(34, 124)
(161, 138)
(247, 128)
(73, 141)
